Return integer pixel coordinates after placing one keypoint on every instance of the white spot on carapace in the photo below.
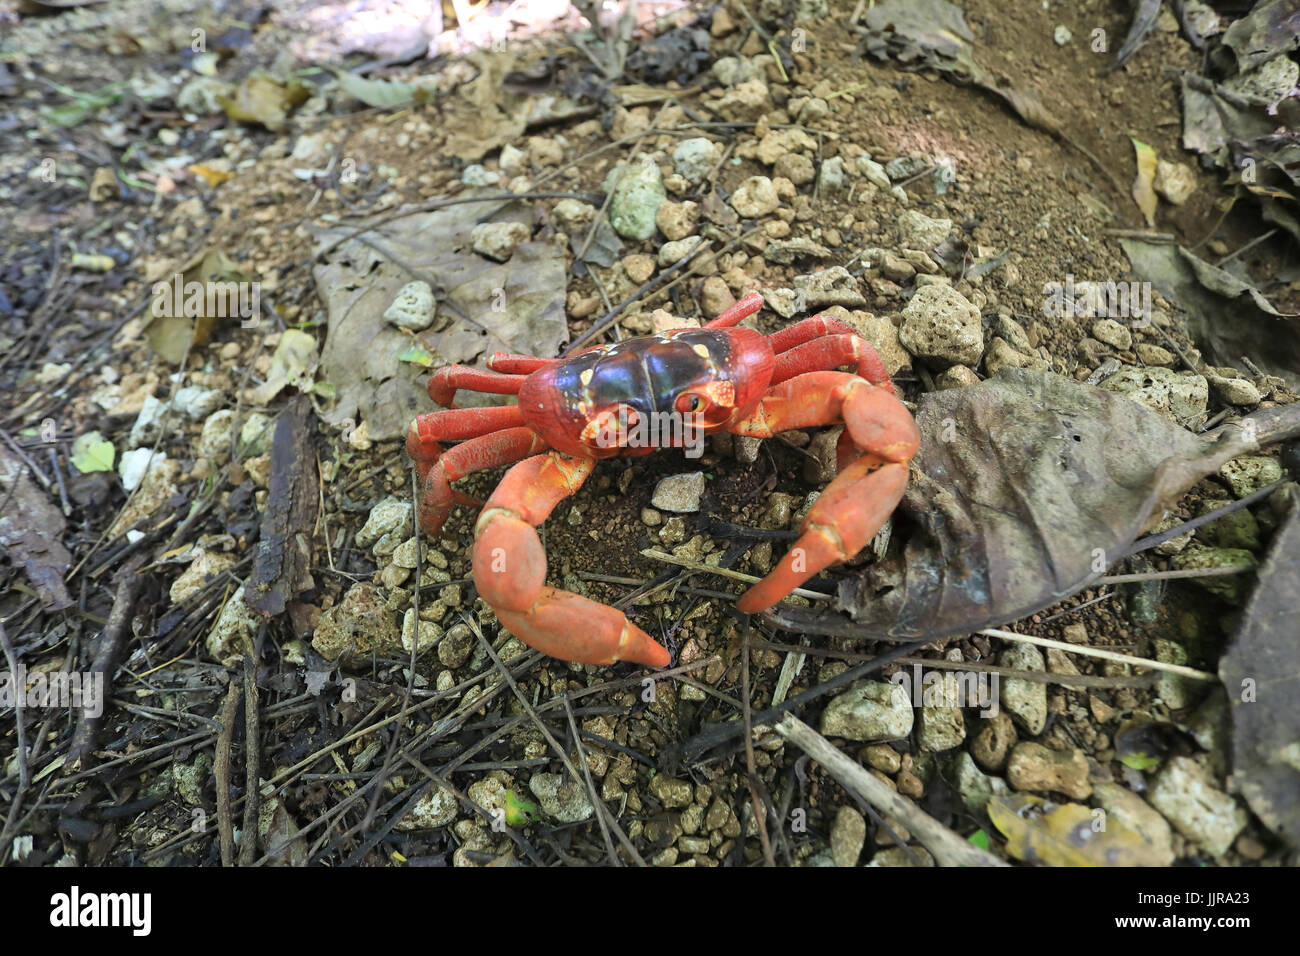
(700, 350)
(586, 376)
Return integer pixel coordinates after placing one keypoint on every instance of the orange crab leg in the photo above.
(426, 431)
(747, 306)
(831, 351)
(444, 383)
(478, 454)
(517, 364)
(857, 503)
(510, 572)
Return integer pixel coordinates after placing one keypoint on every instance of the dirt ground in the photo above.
(343, 751)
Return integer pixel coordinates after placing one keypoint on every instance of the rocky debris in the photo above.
(671, 252)
(1235, 391)
(148, 424)
(429, 633)
(993, 741)
(940, 325)
(1135, 813)
(939, 728)
(566, 802)
(780, 143)
(833, 286)
(831, 178)
(475, 175)
(715, 297)
(1184, 793)
(744, 103)
(786, 251)
(1181, 396)
(880, 332)
(1175, 181)
(639, 267)
(1112, 333)
(897, 856)
(755, 197)
(1032, 766)
(1149, 354)
(679, 493)
(436, 807)
(230, 638)
(693, 158)
(870, 711)
(638, 194)
(498, 240)
(387, 526)
(456, 646)
(1025, 700)
(1001, 354)
(156, 488)
(215, 438)
(672, 793)
(918, 231)
(205, 566)
(1232, 588)
(573, 216)
(848, 834)
(413, 307)
(197, 403)
(359, 624)
(677, 220)
(133, 465)
(958, 376)
(973, 786)
(1249, 473)
(872, 171)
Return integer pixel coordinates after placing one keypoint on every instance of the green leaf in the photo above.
(90, 452)
(416, 354)
(518, 810)
(980, 839)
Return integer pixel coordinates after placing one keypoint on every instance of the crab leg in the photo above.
(857, 503)
(444, 383)
(426, 431)
(830, 351)
(510, 572)
(478, 454)
(747, 306)
(516, 364)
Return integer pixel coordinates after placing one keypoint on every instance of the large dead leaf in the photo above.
(187, 305)
(1226, 316)
(516, 306)
(933, 33)
(1067, 834)
(1025, 489)
(1261, 672)
(1272, 27)
(31, 530)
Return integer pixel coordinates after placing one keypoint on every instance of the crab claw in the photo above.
(510, 573)
(863, 495)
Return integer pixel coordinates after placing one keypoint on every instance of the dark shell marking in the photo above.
(724, 370)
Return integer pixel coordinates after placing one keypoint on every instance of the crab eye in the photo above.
(691, 402)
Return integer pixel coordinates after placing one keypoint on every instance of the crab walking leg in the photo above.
(855, 505)
(445, 382)
(426, 431)
(516, 364)
(830, 352)
(487, 451)
(510, 572)
(747, 306)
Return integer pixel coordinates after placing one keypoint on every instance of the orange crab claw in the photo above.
(510, 572)
(863, 495)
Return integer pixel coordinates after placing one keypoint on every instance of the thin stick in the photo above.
(1167, 575)
(724, 572)
(1099, 653)
(948, 848)
(221, 770)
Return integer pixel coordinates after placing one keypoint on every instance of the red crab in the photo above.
(594, 404)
